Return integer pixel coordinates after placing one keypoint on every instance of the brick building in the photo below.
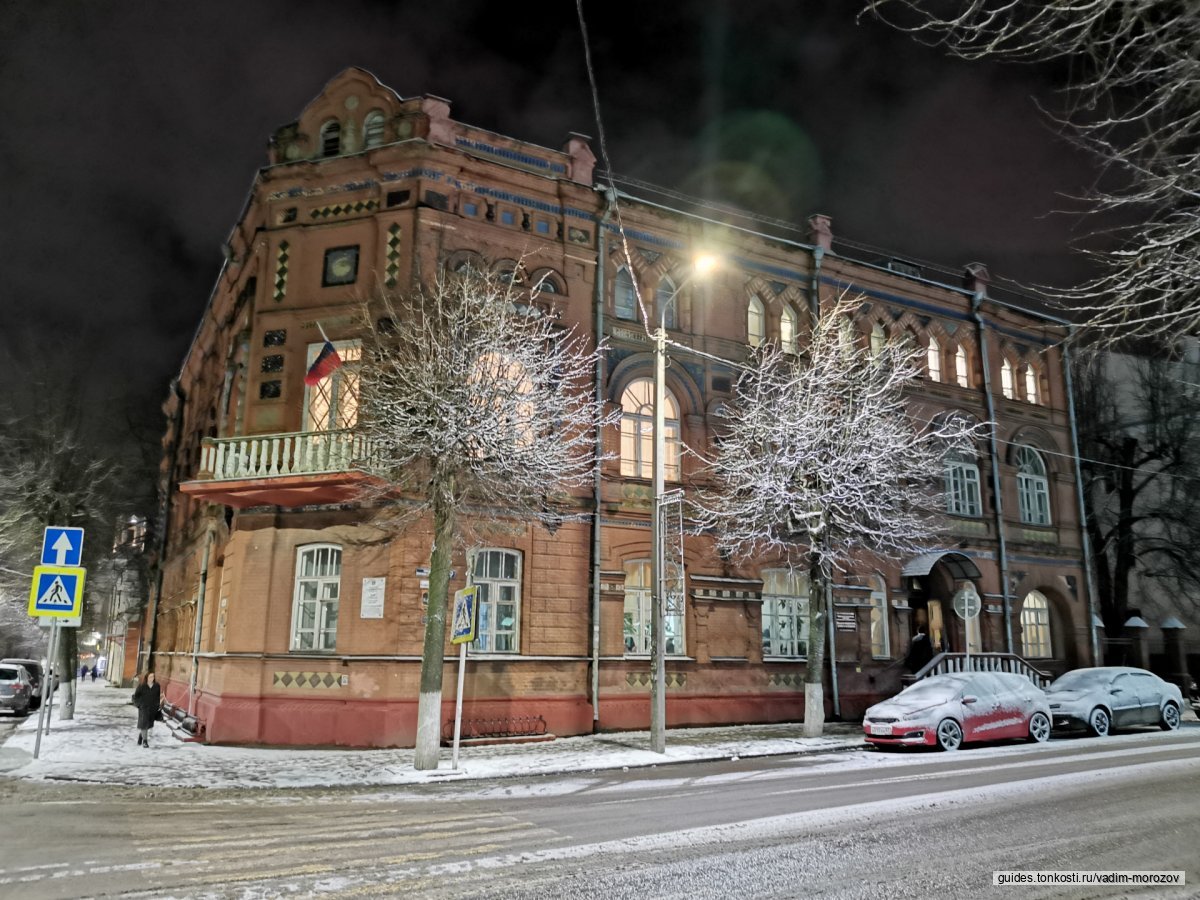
(285, 617)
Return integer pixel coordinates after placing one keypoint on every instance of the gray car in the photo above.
(16, 690)
(1107, 697)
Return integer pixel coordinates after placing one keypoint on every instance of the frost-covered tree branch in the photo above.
(476, 402)
(826, 463)
(1134, 66)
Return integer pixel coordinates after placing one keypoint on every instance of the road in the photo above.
(847, 825)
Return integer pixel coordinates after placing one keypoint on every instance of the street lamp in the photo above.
(702, 266)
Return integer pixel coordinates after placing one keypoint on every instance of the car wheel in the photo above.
(1039, 728)
(1098, 722)
(949, 735)
(1170, 717)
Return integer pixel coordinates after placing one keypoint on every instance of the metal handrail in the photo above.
(945, 663)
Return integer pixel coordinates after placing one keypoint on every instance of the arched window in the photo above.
(787, 329)
(331, 138)
(497, 576)
(637, 432)
(315, 601)
(1031, 384)
(933, 359)
(878, 339)
(784, 613)
(373, 129)
(667, 300)
(881, 639)
(961, 371)
(1035, 626)
(756, 331)
(624, 298)
(1033, 488)
(962, 486)
(639, 612)
(1007, 383)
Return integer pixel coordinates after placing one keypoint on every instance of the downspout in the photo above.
(208, 545)
(164, 521)
(976, 303)
(610, 199)
(1083, 531)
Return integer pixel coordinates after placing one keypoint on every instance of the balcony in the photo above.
(293, 469)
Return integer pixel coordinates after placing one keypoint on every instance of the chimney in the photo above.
(976, 278)
(820, 234)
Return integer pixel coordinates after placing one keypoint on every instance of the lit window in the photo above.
(962, 486)
(373, 129)
(878, 338)
(1033, 488)
(637, 432)
(1031, 384)
(1035, 626)
(755, 322)
(933, 360)
(332, 403)
(961, 374)
(881, 639)
(315, 606)
(1007, 384)
(497, 576)
(787, 330)
(624, 297)
(785, 613)
(639, 611)
(667, 300)
(331, 138)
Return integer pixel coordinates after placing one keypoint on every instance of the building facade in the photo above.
(286, 617)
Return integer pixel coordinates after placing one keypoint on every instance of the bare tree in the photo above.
(1133, 67)
(478, 405)
(827, 463)
(1139, 444)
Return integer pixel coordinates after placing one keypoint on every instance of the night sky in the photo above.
(132, 131)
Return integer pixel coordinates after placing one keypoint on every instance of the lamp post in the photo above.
(702, 265)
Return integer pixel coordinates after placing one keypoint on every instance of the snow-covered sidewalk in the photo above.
(99, 745)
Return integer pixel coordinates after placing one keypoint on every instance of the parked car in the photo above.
(947, 710)
(16, 690)
(34, 669)
(1107, 697)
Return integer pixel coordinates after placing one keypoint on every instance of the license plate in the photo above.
(874, 728)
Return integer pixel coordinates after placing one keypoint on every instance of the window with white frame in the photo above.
(785, 613)
(639, 613)
(962, 486)
(1035, 626)
(878, 339)
(1033, 488)
(1031, 384)
(315, 605)
(624, 296)
(933, 359)
(637, 431)
(497, 576)
(962, 373)
(756, 322)
(1007, 383)
(881, 638)
(331, 138)
(332, 403)
(787, 330)
(667, 301)
(373, 129)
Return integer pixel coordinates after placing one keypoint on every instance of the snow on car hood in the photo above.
(900, 709)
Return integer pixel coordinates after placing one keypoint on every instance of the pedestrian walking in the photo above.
(147, 697)
(920, 651)
(93, 674)
(82, 672)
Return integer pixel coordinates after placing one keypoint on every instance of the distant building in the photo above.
(266, 544)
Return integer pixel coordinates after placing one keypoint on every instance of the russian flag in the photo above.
(325, 363)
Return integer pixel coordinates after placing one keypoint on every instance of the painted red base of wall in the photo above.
(623, 712)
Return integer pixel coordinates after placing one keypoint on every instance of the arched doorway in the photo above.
(932, 579)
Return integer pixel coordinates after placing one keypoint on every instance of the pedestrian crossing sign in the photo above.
(57, 591)
(466, 615)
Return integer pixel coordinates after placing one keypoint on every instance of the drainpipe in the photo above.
(208, 544)
(1083, 531)
(610, 199)
(976, 303)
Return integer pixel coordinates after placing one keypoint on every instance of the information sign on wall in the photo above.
(373, 590)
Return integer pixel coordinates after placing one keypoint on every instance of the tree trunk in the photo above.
(429, 706)
(67, 665)
(814, 685)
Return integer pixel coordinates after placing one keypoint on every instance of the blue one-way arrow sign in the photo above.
(62, 546)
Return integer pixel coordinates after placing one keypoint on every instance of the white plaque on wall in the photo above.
(372, 598)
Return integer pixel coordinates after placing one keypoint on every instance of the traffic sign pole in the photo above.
(47, 692)
(462, 671)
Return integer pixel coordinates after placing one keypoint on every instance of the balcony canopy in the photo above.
(960, 567)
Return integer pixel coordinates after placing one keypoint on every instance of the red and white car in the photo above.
(946, 711)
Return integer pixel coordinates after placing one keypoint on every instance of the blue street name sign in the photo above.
(62, 546)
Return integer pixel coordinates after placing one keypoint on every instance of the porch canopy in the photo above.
(960, 567)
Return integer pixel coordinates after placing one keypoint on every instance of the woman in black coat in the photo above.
(147, 697)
